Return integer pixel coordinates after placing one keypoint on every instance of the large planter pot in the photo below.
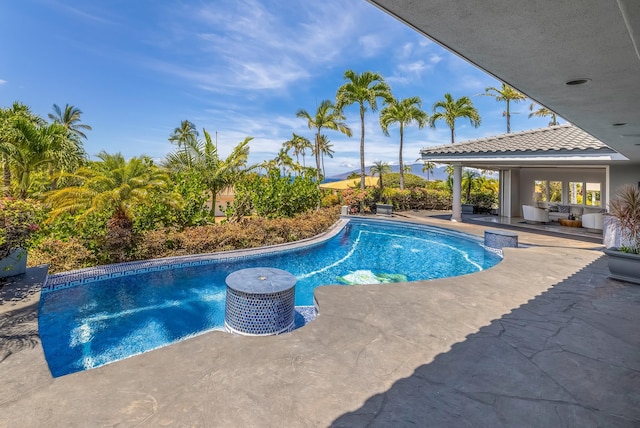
(467, 208)
(624, 266)
(14, 264)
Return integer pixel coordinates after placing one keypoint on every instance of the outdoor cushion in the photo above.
(564, 209)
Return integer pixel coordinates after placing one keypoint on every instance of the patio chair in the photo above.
(593, 222)
(535, 215)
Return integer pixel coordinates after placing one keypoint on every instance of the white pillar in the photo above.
(457, 192)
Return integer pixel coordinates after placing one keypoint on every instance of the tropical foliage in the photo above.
(327, 116)
(19, 219)
(543, 112)
(404, 112)
(363, 89)
(507, 94)
(380, 168)
(449, 110)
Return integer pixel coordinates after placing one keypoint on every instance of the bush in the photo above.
(410, 180)
(329, 200)
(359, 200)
(61, 255)
(248, 233)
(275, 196)
(19, 219)
(483, 202)
(417, 199)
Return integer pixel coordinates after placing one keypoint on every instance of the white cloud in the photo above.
(371, 45)
(244, 46)
(2, 82)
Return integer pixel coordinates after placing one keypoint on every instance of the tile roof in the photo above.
(551, 140)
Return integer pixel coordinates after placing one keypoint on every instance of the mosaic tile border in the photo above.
(99, 273)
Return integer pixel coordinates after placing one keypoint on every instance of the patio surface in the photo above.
(544, 339)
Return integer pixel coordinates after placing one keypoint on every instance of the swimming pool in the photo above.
(115, 316)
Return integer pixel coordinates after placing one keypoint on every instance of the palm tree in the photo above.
(449, 110)
(283, 160)
(118, 187)
(184, 134)
(201, 157)
(113, 184)
(543, 112)
(469, 178)
(299, 144)
(326, 149)
(327, 116)
(70, 119)
(507, 94)
(428, 167)
(39, 148)
(380, 168)
(362, 89)
(404, 112)
(9, 136)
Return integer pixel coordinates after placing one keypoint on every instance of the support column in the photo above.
(457, 193)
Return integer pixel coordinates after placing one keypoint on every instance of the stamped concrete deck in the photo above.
(543, 339)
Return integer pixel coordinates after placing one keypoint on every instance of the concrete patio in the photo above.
(544, 339)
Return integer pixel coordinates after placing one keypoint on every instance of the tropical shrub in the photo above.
(329, 200)
(359, 200)
(410, 180)
(19, 219)
(275, 195)
(61, 255)
(247, 233)
(417, 199)
(482, 202)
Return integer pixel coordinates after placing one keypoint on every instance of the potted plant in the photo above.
(18, 220)
(624, 261)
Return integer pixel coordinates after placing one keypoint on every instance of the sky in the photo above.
(236, 68)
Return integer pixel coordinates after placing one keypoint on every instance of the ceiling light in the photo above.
(575, 82)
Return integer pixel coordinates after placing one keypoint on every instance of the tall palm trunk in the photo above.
(452, 133)
(6, 176)
(362, 174)
(401, 164)
(318, 155)
(508, 119)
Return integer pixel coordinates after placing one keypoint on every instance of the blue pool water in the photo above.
(93, 324)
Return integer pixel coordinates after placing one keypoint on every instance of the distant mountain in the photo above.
(416, 169)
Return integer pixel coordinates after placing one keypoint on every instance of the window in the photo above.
(555, 191)
(592, 194)
(540, 191)
(575, 193)
(547, 191)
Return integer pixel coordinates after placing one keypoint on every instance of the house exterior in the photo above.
(559, 164)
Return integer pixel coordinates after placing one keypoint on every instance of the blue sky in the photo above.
(238, 68)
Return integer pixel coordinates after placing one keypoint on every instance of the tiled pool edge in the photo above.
(74, 278)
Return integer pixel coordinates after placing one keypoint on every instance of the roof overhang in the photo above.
(539, 45)
(515, 161)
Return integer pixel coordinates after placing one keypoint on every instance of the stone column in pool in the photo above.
(260, 301)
